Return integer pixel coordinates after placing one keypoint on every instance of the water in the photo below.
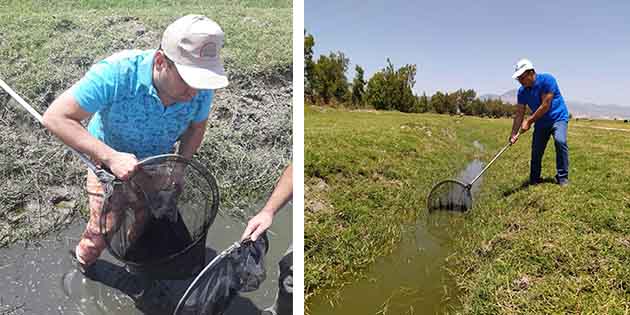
(38, 277)
(412, 279)
(469, 173)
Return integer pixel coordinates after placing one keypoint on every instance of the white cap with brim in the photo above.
(210, 78)
(193, 43)
(522, 66)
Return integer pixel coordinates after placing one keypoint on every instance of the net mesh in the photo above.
(450, 195)
(240, 268)
(157, 221)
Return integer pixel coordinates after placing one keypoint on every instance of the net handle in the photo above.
(103, 175)
(508, 145)
(214, 261)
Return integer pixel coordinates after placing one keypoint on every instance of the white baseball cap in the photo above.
(522, 66)
(193, 43)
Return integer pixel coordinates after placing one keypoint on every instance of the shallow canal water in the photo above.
(39, 278)
(412, 279)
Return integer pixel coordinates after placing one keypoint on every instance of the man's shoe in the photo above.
(563, 183)
(535, 181)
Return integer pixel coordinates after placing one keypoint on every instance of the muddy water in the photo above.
(470, 172)
(411, 280)
(38, 277)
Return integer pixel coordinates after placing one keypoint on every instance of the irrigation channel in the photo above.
(39, 278)
(412, 279)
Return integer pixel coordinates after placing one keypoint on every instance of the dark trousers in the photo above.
(284, 298)
(541, 136)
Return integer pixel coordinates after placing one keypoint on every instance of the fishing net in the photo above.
(450, 195)
(157, 221)
(239, 268)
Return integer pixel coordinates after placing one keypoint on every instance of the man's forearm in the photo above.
(544, 107)
(518, 119)
(73, 134)
(85, 142)
(282, 193)
(539, 112)
(191, 140)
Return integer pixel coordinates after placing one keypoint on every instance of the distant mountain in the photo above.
(576, 108)
(609, 111)
(508, 97)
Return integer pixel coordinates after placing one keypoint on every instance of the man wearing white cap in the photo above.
(540, 92)
(141, 103)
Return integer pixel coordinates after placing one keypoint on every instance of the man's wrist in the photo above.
(269, 211)
(106, 157)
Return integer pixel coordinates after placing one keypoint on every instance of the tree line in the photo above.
(390, 88)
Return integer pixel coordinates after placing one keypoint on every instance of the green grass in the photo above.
(618, 124)
(522, 250)
(44, 49)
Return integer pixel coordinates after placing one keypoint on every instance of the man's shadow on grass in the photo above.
(525, 184)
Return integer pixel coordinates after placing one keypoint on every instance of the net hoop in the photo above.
(212, 265)
(214, 207)
(465, 188)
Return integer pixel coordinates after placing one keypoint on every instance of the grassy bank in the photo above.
(44, 49)
(365, 174)
(527, 250)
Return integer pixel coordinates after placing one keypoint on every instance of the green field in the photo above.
(540, 249)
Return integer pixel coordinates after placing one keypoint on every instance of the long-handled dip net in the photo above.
(157, 221)
(454, 195)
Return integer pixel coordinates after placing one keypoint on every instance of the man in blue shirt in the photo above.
(541, 94)
(141, 104)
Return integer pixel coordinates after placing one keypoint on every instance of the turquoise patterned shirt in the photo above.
(128, 114)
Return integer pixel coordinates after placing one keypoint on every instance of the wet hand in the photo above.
(257, 225)
(123, 164)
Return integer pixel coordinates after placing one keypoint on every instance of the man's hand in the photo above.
(279, 197)
(527, 123)
(257, 225)
(514, 138)
(122, 164)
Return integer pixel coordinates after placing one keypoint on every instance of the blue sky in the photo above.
(474, 44)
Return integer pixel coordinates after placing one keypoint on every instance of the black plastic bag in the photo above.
(240, 268)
